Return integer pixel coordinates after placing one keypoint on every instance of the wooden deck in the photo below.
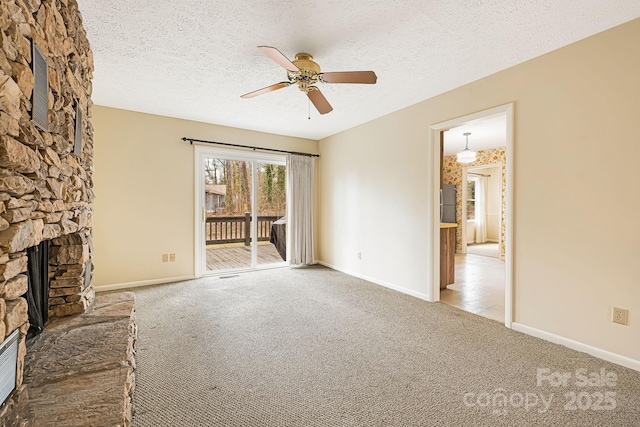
(239, 256)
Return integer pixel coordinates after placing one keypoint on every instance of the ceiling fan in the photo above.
(304, 72)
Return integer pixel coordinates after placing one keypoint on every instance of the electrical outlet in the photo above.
(172, 257)
(165, 257)
(359, 255)
(620, 315)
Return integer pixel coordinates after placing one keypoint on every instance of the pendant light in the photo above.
(466, 155)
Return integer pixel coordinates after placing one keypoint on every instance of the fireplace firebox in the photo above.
(38, 292)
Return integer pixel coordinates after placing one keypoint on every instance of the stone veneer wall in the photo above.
(45, 191)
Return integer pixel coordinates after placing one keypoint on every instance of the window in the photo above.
(471, 198)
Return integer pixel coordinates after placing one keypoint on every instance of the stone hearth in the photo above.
(79, 371)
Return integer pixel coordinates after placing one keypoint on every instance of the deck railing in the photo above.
(237, 229)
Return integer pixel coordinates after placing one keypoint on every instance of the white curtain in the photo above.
(481, 210)
(300, 204)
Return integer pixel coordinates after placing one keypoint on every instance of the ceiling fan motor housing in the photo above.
(308, 73)
(305, 62)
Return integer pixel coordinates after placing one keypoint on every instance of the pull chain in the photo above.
(309, 105)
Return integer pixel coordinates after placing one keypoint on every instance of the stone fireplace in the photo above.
(45, 169)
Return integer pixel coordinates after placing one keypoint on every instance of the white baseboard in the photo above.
(627, 362)
(150, 282)
(376, 281)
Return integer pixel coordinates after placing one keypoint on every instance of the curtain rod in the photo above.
(478, 174)
(191, 141)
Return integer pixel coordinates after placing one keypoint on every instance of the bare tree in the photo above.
(268, 171)
(244, 179)
(230, 193)
(236, 177)
(210, 176)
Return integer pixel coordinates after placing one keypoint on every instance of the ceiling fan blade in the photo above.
(265, 90)
(319, 101)
(277, 57)
(364, 77)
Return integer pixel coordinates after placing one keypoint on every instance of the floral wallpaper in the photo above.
(452, 174)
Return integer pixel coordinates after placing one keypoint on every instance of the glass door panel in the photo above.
(228, 205)
(271, 207)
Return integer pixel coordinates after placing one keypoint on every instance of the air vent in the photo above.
(77, 143)
(40, 98)
(8, 361)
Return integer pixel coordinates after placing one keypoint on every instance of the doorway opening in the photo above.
(241, 204)
(479, 285)
(481, 280)
(483, 208)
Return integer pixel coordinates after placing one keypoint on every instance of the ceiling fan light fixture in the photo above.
(304, 72)
(466, 155)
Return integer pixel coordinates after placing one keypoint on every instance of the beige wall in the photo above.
(576, 110)
(144, 186)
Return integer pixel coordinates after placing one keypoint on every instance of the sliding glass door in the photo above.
(242, 198)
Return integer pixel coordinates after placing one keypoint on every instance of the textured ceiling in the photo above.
(485, 133)
(194, 58)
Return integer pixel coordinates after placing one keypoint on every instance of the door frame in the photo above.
(201, 152)
(433, 203)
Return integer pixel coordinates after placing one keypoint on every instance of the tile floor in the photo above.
(479, 286)
(485, 249)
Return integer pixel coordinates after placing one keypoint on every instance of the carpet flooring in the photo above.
(314, 347)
